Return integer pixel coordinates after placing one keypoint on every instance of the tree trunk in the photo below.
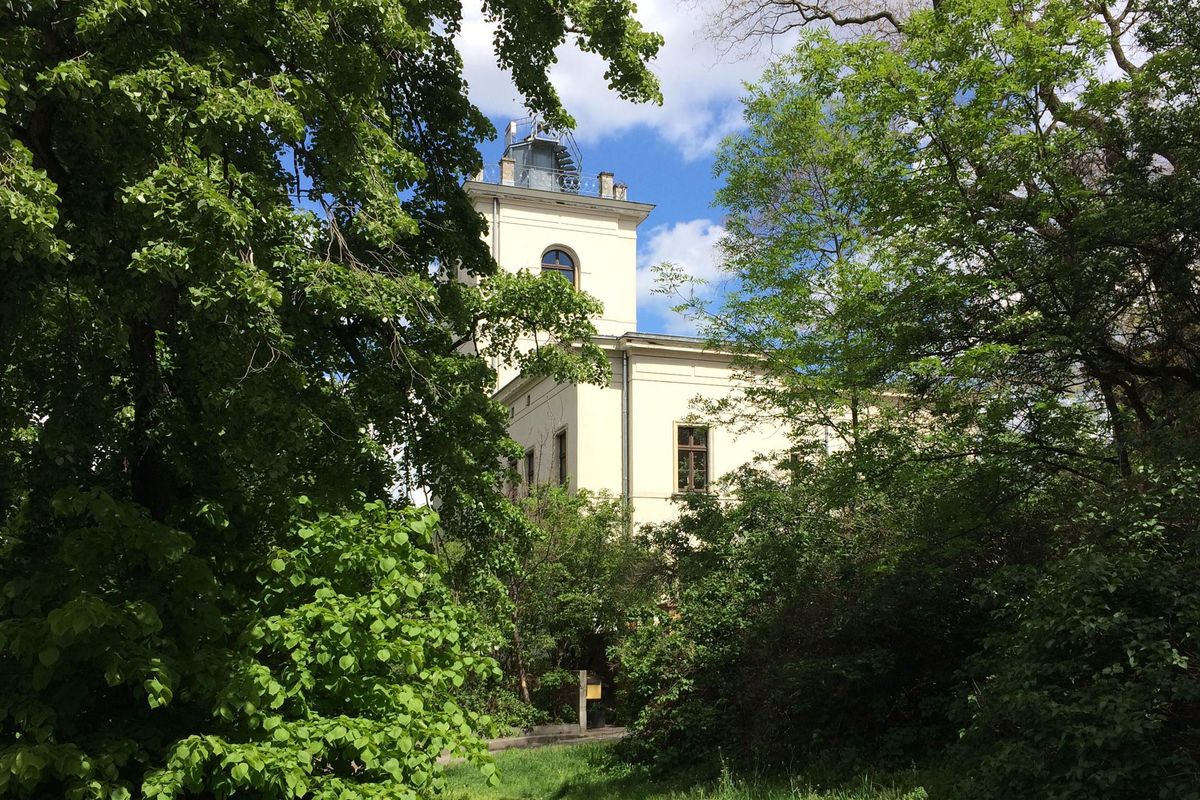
(522, 675)
(1120, 438)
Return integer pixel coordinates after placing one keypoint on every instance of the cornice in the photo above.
(620, 208)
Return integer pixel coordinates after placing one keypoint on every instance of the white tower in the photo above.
(545, 213)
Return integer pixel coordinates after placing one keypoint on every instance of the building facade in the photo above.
(638, 437)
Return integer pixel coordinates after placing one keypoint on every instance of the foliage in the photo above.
(496, 698)
(841, 615)
(576, 581)
(1086, 687)
(345, 656)
(228, 234)
(962, 258)
(905, 218)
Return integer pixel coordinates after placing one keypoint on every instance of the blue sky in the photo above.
(664, 153)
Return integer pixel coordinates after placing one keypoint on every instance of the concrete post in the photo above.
(620, 191)
(508, 171)
(583, 701)
(606, 184)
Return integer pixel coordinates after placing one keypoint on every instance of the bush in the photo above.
(574, 578)
(506, 714)
(334, 680)
(1088, 687)
(810, 626)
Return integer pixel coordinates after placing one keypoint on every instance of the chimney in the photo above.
(620, 191)
(606, 184)
(508, 171)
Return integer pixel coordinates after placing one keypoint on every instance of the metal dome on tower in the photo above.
(538, 156)
(544, 158)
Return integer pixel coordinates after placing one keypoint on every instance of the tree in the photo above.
(578, 583)
(963, 257)
(226, 324)
(978, 215)
(576, 579)
(840, 593)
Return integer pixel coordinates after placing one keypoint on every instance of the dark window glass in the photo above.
(692, 461)
(560, 453)
(529, 474)
(560, 262)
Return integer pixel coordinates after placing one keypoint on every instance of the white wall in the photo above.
(664, 381)
(600, 234)
(538, 412)
(663, 385)
(665, 375)
(599, 428)
(604, 246)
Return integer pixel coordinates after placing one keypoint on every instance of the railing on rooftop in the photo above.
(556, 180)
(553, 180)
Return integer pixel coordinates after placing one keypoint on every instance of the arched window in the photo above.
(561, 262)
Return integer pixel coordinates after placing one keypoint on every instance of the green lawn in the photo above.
(590, 772)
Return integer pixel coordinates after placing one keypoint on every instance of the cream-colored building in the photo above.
(636, 438)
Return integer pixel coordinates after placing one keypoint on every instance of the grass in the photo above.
(591, 772)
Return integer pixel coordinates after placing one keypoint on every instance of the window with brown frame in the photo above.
(529, 473)
(691, 451)
(560, 456)
(560, 263)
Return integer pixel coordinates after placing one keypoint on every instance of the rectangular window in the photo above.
(529, 473)
(692, 459)
(560, 455)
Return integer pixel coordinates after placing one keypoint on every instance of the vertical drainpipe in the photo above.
(496, 229)
(625, 427)
(496, 255)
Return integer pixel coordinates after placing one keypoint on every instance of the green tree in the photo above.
(576, 580)
(1085, 684)
(227, 320)
(826, 616)
(962, 249)
(977, 212)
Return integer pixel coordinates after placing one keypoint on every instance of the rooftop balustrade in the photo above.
(509, 173)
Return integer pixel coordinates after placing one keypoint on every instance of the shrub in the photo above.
(1088, 687)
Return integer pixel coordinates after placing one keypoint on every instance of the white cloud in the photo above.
(701, 88)
(689, 245)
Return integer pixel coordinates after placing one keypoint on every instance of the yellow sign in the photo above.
(593, 691)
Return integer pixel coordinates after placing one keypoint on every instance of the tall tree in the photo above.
(966, 249)
(226, 321)
(994, 212)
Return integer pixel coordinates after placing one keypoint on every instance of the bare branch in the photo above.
(749, 22)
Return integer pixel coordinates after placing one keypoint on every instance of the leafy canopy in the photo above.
(963, 251)
(226, 323)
